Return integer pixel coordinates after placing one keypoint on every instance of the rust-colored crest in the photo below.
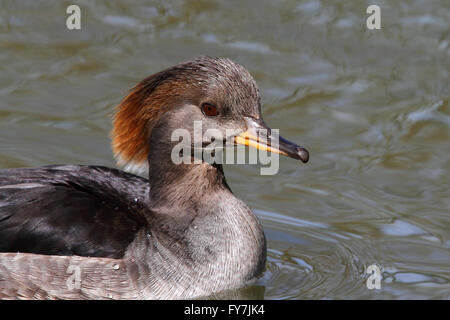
(157, 94)
(136, 115)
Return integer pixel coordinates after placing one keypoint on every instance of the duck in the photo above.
(94, 232)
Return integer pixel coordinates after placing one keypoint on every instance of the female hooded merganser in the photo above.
(75, 231)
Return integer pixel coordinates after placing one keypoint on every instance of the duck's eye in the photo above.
(209, 110)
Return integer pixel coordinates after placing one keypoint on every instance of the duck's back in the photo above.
(70, 210)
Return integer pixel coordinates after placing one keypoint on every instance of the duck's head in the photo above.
(217, 92)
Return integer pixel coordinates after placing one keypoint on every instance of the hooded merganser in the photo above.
(74, 231)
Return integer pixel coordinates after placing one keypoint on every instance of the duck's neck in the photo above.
(183, 186)
(199, 232)
(176, 187)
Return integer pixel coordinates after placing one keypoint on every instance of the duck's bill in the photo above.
(260, 136)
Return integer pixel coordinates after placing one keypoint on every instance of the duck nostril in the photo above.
(303, 154)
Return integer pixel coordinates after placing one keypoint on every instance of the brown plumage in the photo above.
(136, 114)
(179, 234)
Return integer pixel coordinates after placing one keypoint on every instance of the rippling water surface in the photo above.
(372, 107)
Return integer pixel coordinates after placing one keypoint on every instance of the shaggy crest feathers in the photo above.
(134, 118)
(152, 97)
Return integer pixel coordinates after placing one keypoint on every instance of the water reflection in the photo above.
(372, 107)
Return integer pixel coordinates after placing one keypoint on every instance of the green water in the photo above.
(371, 106)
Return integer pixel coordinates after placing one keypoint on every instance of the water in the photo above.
(371, 106)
